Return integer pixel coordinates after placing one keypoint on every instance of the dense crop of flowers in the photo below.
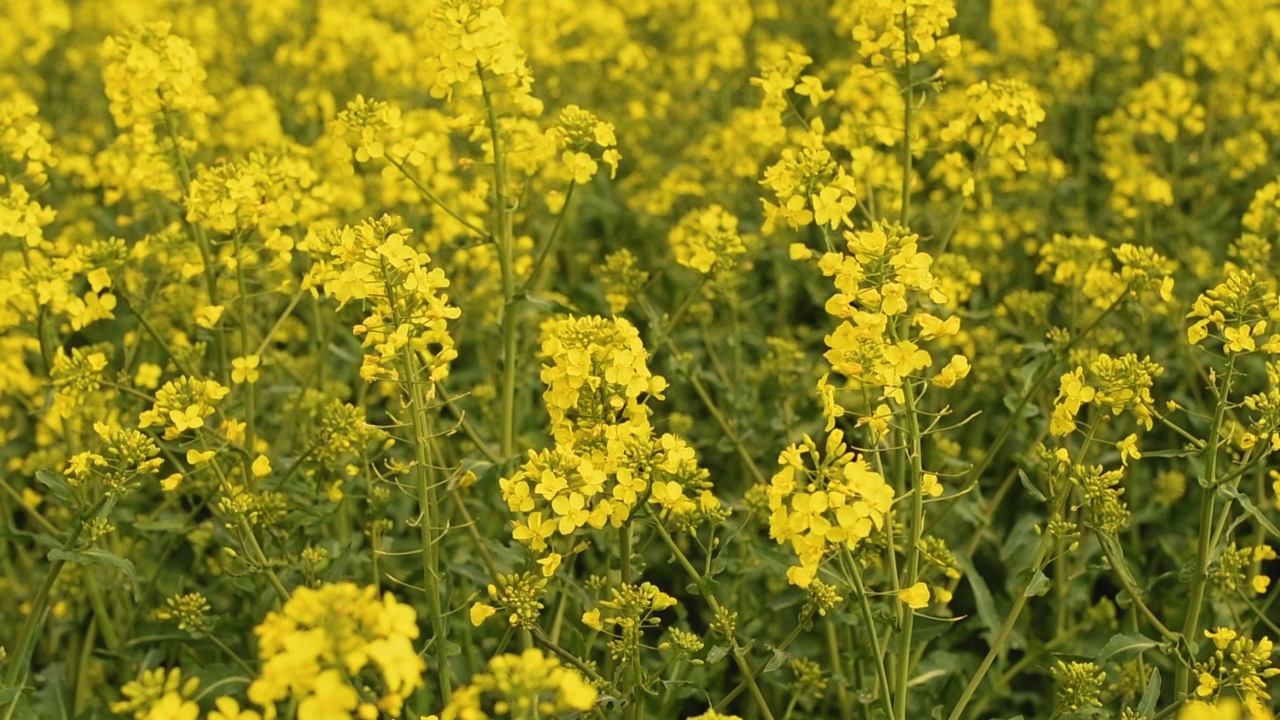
(714, 359)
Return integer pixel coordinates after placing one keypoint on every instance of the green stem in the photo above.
(207, 256)
(916, 529)
(549, 244)
(250, 414)
(25, 644)
(782, 646)
(399, 165)
(624, 543)
(260, 557)
(835, 657)
(110, 637)
(705, 590)
(506, 251)
(1006, 628)
(864, 603)
(1204, 546)
(738, 445)
(427, 523)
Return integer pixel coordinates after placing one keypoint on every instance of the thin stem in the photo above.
(916, 529)
(24, 646)
(705, 590)
(1047, 542)
(1204, 546)
(467, 427)
(506, 251)
(1136, 595)
(250, 397)
(673, 321)
(624, 543)
(207, 256)
(399, 165)
(835, 657)
(864, 603)
(723, 422)
(549, 244)
(424, 470)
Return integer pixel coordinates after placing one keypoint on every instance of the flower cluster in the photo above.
(878, 282)
(626, 614)
(1079, 685)
(707, 241)
(159, 694)
(1119, 384)
(125, 456)
(895, 32)
(521, 686)
(373, 262)
(1237, 662)
(820, 510)
(23, 140)
(1236, 311)
(810, 187)
(182, 405)
(261, 192)
(316, 646)
(472, 44)
(582, 139)
(606, 457)
(998, 122)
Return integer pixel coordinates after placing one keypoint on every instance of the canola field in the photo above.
(644, 359)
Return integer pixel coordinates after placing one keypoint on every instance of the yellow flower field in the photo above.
(666, 359)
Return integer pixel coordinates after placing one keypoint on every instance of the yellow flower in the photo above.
(229, 709)
(199, 457)
(1221, 637)
(245, 369)
(930, 486)
(1207, 686)
(916, 597)
(591, 619)
(481, 612)
(208, 316)
(549, 564)
(261, 466)
(1128, 448)
(1239, 339)
(148, 376)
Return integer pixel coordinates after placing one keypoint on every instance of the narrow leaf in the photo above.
(1150, 696)
(97, 556)
(1038, 586)
(1125, 646)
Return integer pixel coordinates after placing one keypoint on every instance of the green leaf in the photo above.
(1126, 646)
(1113, 549)
(775, 661)
(173, 524)
(8, 694)
(1030, 487)
(1253, 510)
(981, 593)
(97, 556)
(716, 654)
(928, 627)
(1185, 452)
(57, 484)
(1150, 696)
(1039, 585)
